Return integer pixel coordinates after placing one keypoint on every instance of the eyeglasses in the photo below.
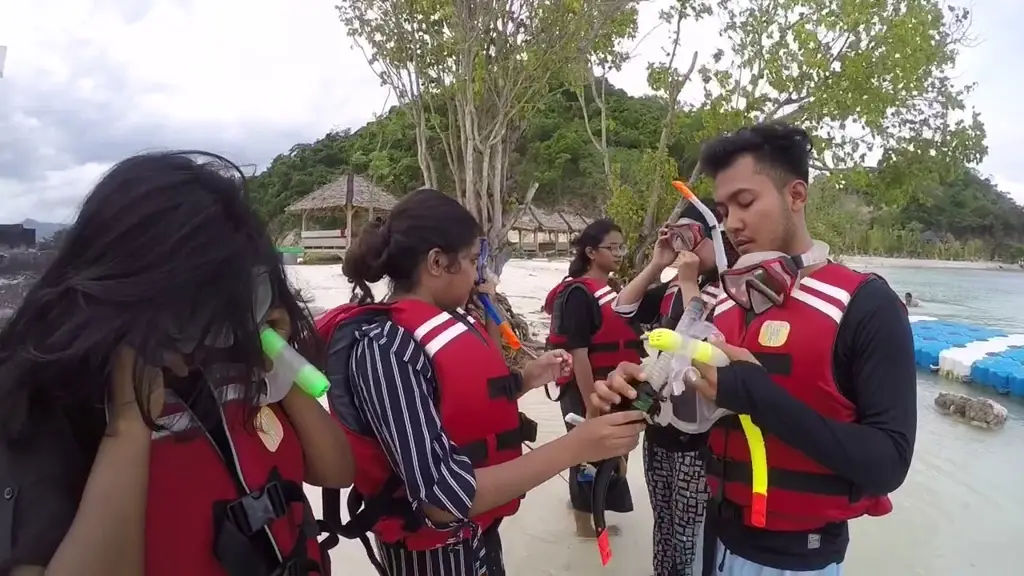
(619, 250)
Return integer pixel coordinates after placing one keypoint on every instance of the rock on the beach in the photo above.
(980, 412)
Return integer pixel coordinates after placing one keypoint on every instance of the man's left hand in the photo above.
(548, 367)
(707, 384)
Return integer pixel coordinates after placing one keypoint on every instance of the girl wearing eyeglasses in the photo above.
(584, 323)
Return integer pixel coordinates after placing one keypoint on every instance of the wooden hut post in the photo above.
(350, 190)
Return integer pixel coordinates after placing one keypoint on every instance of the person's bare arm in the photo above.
(584, 374)
(325, 449)
(631, 295)
(496, 485)
(107, 537)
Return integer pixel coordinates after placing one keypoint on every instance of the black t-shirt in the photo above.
(873, 365)
(42, 476)
(43, 473)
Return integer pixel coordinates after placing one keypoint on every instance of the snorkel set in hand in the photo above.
(504, 327)
(289, 367)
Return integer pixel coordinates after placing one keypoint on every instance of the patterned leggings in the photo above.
(679, 496)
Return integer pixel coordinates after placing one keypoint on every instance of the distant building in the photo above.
(16, 236)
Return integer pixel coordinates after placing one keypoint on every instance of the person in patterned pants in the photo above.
(679, 495)
(673, 465)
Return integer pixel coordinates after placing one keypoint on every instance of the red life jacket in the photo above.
(615, 340)
(478, 409)
(795, 344)
(207, 521)
(671, 294)
(709, 293)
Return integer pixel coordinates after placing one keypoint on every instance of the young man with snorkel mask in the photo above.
(822, 361)
(673, 466)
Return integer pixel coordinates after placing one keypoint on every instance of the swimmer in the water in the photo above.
(910, 301)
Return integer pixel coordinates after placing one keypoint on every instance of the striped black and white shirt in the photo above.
(396, 392)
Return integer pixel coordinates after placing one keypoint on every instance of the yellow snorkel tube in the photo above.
(669, 341)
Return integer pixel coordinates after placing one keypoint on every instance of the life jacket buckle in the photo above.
(528, 428)
(255, 510)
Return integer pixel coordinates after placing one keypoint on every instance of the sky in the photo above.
(87, 83)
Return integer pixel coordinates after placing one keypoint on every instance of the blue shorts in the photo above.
(736, 566)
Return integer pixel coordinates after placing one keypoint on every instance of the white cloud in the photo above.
(246, 78)
(87, 82)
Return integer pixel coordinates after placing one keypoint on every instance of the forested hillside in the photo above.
(958, 215)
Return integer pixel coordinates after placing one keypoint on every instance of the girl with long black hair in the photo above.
(142, 431)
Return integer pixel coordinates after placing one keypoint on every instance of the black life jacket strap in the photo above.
(237, 522)
(391, 502)
(364, 513)
(791, 480)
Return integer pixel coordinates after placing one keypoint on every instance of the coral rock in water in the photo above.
(980, 412)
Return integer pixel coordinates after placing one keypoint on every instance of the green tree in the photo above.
(471, 74)
(864, 76)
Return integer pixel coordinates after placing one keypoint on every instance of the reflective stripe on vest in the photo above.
(478, 410)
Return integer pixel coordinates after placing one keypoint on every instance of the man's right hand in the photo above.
(609, 392)
(608, 436)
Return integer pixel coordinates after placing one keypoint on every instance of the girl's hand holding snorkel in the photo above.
(608, 436)
(548, 367)
(689, 268)
(664, 253)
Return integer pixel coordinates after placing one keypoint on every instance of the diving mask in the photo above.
(687, 234)
(761, 280)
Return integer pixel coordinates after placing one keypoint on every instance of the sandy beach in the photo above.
(860, 262)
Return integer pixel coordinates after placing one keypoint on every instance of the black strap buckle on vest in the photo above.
(237, 524)
(363, 515)
(255, 510)
(525, 431)
(606, 347)
(390, 501)
(507, 387)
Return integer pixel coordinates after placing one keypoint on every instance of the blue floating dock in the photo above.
(988, 357)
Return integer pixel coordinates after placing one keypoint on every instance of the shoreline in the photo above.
(895, 262)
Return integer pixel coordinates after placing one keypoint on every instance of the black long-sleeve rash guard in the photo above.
(874, 367)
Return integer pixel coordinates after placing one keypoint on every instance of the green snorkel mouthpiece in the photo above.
(292, 365)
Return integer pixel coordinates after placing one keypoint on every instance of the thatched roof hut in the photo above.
(365, 194)
(549, 221)
(576, 222)
(525, 221)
